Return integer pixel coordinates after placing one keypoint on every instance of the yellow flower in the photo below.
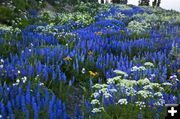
(93, 74)
(90, 52)
(98, 33)
(178, 70)
(67, 58)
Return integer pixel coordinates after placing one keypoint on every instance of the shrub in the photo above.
(6, 14)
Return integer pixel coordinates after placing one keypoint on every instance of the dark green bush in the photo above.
(21, 4)
(5, 14)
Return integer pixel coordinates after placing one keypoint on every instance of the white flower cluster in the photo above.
(9, 29)
(23, 79)
(138, 27)
(142, 89)
(97, 110)
(160, 102)
(120, 16)
(129, 91)
(121, 72)
(75, 16)
(95, 102)
(9, 4)
(149, 64)
(145, 94)
(1, 64)
(122, 101)
(149, 18)
(46, 29)
(140, 104)
(140, 68)
(142, 82)
(174, 79)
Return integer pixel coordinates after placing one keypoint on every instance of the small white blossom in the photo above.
(1, 66)
(97, 110)
(120, 72)
(95, 102)
(107, 95)
(96, 94)
(83, 71)
(111, 81)
(113, 90)
(122, 101)
(144, 93)
(149, 64)
(41, 84)
(143, 81)
(167, 84)
(135, 68)
(158, 94)
(2, 61)
(17, 81)
(19, 72)
(140, 104)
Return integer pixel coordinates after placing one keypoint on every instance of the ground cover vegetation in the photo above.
(87, 60)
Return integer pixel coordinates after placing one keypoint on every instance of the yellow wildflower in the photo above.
(98, 33)
(90, 52)
(93, 74)
(67, 58)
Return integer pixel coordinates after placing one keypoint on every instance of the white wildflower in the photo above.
(143, 81)
(83, 71)
(2, 61)
(97, 110)
(167, 84)
(96, 94)
(41, 84)
(95, 102)
(1, 66)
(113, 90)
(135, 68)
(121, 72)
(15, 84)
(19, 72)
(144, 93)
(140, 104)
(158, 94)
(149, 64)
(111, 81)
(17, 81)
(146, 87)
(142, 68)
(97, 86)
(122, 101)
(107, 95)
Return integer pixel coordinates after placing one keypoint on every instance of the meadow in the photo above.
(89, 61)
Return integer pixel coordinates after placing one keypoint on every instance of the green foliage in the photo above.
(84, 18)
(5, 14)
(120, 112)
(21, 4)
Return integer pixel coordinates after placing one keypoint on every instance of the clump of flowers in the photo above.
(67, 58)
(93, 74)
(138, 27)
(118, 88)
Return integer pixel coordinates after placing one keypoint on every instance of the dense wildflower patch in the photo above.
(114, 57)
